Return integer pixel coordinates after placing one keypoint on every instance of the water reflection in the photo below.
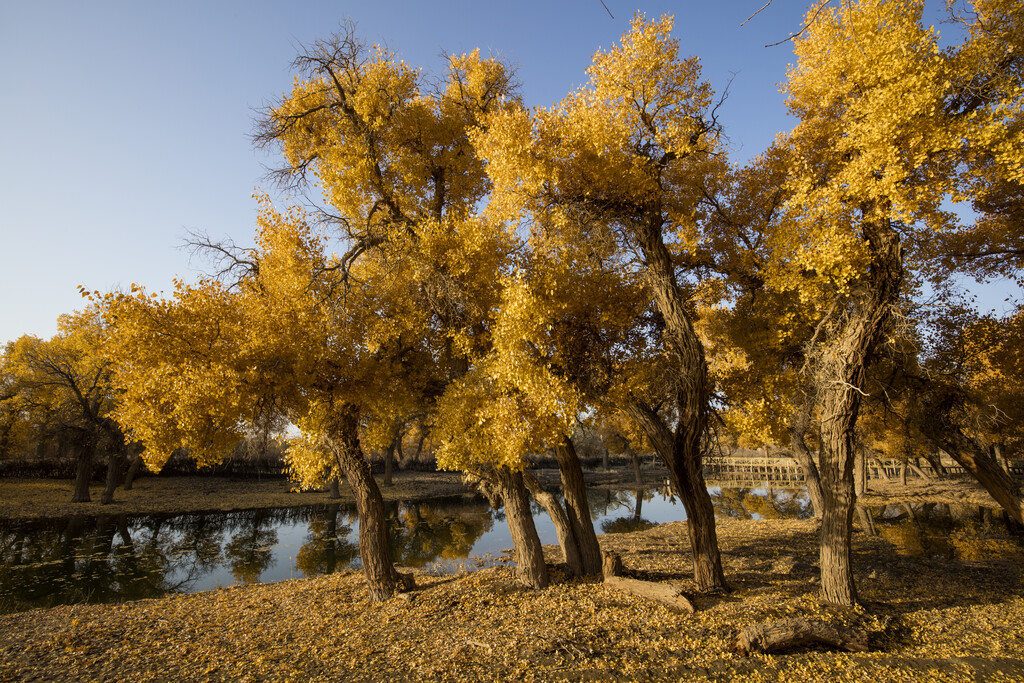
(115, 557)
(962, 532)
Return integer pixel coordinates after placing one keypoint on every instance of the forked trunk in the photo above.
(566, 538)
(83, 474)
(382, 579)
(530, 567)
(578, 508)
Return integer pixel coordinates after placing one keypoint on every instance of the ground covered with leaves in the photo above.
(928, 618)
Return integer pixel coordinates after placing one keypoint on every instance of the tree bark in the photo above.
(577, 507)
(389, 466)
(680, 452)
(334, 489)
(916, 469)
(566, 538)
(839, 369)
(997, 453)
(860, 472)
(790, 633)
(382, 579)
(974, 457)
(135, 464)
(636, 465)
(669, 596)
(115, 470)
(83, 474)
(798, 426)
(530, 567)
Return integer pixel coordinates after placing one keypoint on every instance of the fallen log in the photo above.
(669, 596)
(792, 633)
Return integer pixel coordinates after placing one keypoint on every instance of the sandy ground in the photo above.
(928, 618)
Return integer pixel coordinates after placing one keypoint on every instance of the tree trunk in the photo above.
(860, 472)
(566, 538)
(83, 474)
(935, 460)
(606, 460)
(976, 459)
(882, 474)
(419, 447)
(799, 424)
(681, 454)
(334, 489)
(796, 632)
(577, 507)
(530, 566)
(636, 465)
(997, 454)
(115, 470)
(866, 520)
(837, 516)
(839, 367)
(382, 579)
(389, 460)
(917, 470)
(682, 449)
(135, 464)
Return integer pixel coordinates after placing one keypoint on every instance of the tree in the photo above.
(886, 122)
(396, 162)
(614, 166)
(289, 339)
(68, 387)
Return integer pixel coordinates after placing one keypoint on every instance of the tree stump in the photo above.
(611, 565)
(792, 633)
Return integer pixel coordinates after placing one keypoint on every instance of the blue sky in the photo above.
(125, 125)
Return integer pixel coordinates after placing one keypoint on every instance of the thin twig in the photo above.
(763, 7)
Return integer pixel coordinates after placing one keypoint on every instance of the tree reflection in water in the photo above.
(328, 546)
(761, 503)
(962, 532)
(634, 521)
(425, 533)
(114, 558)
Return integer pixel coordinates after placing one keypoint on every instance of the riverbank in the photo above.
(25, 499)
(928, 618)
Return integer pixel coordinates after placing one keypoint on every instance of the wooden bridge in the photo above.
(783, 470)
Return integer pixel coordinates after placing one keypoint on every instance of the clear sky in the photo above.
(125, 125)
